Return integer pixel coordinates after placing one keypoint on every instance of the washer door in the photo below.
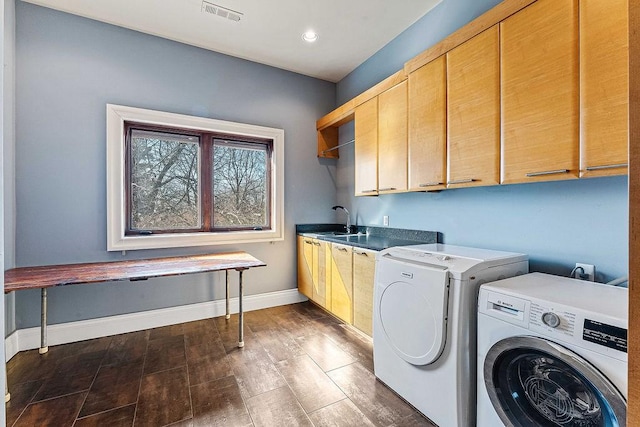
(413, 315)
(535, 382)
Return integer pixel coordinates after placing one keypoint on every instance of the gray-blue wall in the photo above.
(556, 223)
(68, 68)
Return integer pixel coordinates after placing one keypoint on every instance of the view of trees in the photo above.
(165, 183)
(239, 185)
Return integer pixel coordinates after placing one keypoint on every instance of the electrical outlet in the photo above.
(385, 220)
(588, 272)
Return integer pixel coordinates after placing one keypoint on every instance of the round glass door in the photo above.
(537, 383)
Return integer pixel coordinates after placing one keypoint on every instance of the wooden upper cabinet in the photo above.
(473, 111)
(540, 94)
(366, 148)
(604, 87)
(392, 139)
(427, 126)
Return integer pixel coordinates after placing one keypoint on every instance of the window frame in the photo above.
(118, 239)
(246, 142)
(129, 127)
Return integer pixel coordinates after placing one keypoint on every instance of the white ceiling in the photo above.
(269, 31)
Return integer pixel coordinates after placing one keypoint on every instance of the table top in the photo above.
(73, 274)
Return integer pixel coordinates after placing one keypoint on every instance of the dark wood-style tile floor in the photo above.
(299, 367)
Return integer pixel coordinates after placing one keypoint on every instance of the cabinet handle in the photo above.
(368, 191)
(309, 242)
(461, 181)
(597, 168)
(316, 243)
(360, 253)
(342, 249)
(430, 184)
(387, 189)
(555, 172)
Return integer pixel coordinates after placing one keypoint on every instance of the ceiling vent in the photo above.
(221, 12)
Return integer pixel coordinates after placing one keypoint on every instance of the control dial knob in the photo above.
(551, 319)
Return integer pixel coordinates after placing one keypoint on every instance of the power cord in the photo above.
(579, 275)
(620, 281)
(616, 282)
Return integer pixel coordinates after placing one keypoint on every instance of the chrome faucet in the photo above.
(348, 225)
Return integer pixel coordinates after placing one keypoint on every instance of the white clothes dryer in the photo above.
(552, 351)
(424, 332)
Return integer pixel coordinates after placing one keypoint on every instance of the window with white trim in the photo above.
(175, 180)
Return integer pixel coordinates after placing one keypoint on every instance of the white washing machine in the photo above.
(424, 331)
(552, 351)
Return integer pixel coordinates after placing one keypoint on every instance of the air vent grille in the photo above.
(220, 11)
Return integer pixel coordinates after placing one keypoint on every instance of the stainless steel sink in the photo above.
(339, 233)
(352, 238)
(331, 233)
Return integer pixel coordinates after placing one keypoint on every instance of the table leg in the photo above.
(228, 313)
(7, 395)
(43, 323)
(240, 312)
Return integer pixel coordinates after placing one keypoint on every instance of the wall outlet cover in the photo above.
(588, 272)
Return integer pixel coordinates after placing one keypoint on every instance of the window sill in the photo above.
(160, 241)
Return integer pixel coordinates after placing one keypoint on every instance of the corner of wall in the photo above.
(7, 204)
(7, 142)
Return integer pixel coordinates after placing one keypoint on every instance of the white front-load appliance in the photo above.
(552, 351)
(424, 331)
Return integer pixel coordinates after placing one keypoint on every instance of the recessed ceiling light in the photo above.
(310, 36)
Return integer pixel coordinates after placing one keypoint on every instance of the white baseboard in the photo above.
(63, 333)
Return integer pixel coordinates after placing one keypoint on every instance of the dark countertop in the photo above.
(375, 238)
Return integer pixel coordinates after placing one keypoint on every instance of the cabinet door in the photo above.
(604, 87)
(473, 111)
(366, 148)
(364, 266)
(322, 267)
(305, 266)
(539, 79)
(427, 126)
(392, 139)
(341, 282)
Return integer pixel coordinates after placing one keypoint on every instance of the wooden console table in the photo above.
(45, 277)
